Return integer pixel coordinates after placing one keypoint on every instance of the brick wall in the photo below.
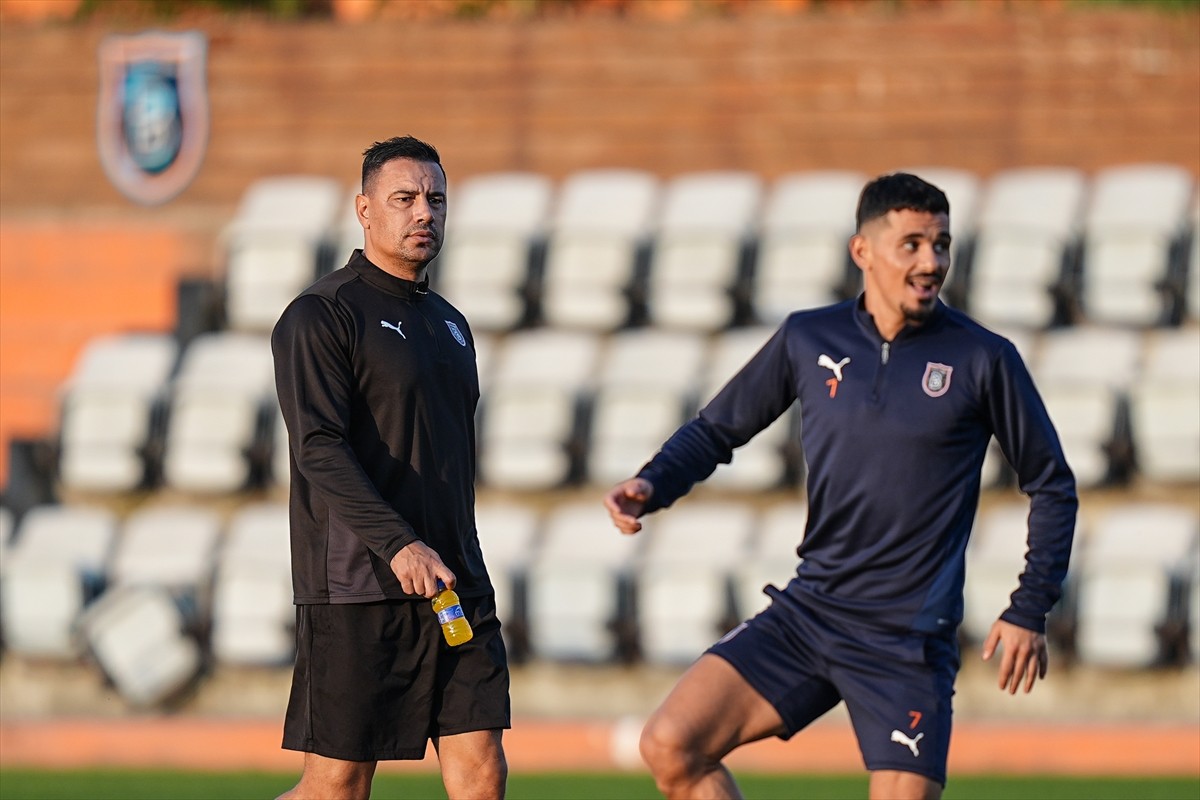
(951, 85)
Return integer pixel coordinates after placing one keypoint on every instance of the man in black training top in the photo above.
(899, 396)
(377, 381)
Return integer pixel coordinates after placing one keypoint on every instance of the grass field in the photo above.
(166, 785)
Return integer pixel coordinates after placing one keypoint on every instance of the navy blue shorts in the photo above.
(897, 686)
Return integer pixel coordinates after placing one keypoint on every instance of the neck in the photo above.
(888, 322)
(404, 270)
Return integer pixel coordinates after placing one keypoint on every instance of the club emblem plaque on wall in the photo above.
(152, 118)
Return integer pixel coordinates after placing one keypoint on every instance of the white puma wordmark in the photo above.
(395, 327)
(827, 362)
(899, 738)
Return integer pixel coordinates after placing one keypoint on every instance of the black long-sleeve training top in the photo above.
(894, 434)
(378, 385)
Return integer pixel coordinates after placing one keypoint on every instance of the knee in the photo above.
(668, 752)
(347, 780)
(485, 778)
(497, 772)
(894, 785)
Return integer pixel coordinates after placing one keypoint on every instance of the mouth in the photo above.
(925, 286)
(423, 237)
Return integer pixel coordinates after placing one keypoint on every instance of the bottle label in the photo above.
(450, 614)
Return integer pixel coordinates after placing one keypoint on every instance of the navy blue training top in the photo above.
(894, 434)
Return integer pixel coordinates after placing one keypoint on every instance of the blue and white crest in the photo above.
(152, 119)
(458, 337)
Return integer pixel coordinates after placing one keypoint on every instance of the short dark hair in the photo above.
(380, 153)
(897, 192)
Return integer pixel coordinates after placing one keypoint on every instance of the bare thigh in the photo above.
(712, 710)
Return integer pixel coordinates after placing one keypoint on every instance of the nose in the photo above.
(931, 258)
(422, 209)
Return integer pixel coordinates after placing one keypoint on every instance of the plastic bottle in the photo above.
(455, 627)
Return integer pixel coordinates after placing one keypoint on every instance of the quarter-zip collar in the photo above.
(866, 322)
(368, 271)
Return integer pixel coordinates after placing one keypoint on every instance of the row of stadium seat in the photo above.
(582, 396)
(157, 597)
(567, 407)
(609, 248)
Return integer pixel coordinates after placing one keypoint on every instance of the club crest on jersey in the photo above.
(458, 337)
(937, 379)
(152, 116)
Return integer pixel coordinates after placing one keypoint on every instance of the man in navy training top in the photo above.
(899, 397)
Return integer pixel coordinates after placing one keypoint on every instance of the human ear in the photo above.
(860, 251)
(361, 210)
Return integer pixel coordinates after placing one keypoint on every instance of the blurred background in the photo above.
(640, 191)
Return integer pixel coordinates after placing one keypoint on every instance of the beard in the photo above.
(921, 314)
(424, 252)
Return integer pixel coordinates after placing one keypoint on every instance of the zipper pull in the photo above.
(884, 352)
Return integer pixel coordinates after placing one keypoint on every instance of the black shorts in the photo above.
(897, 686)
(377, 681)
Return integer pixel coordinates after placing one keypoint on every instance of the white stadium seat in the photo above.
(1135, 558)
(772, 559)
(646, 388)
(170, 546)
(223, 389)
(1136, 216)
(729, 352)
(1086, 419)
(1164, 403)
(995, 559)
(108, 409)
(508, 536)
(575, 585)
(253, 618)
(698, 251)
(1029, 222)
(494, 223)
(598, 228)
(530, 414)
(628, 424)
(136, 635)
(273, 246)
(1166, 431)
(59, 558)
(1089, 355)
(683, 594)
(803, 242)
(1084, 374)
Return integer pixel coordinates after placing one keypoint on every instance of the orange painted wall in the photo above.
(62, 284)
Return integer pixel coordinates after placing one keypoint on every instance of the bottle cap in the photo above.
(441, 586)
